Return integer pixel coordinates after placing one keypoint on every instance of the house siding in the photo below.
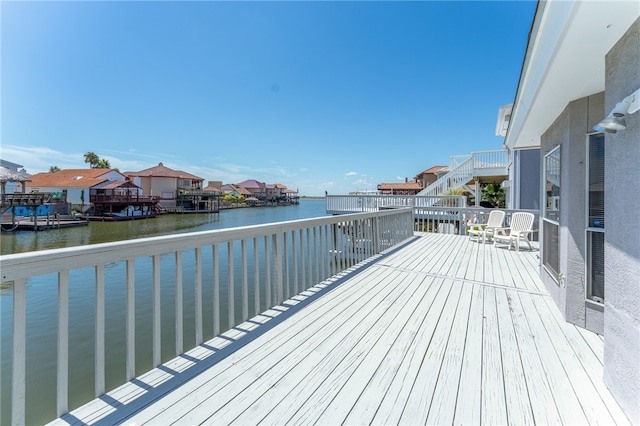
(622, 241)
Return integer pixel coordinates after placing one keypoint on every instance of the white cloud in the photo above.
(351, 174)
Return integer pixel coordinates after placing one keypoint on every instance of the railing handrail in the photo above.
(429, 216)
(24, 265)
(491, 151)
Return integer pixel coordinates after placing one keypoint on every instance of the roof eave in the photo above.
(564, 61)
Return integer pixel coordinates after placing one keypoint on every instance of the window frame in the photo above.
(589, 229)
(556, 275)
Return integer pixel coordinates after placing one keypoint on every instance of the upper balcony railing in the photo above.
(342, 204)
(214, 279)
(487, 163)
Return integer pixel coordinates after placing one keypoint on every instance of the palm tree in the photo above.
(102, 164)
(54, 169)
(91, 158)
(494, 194)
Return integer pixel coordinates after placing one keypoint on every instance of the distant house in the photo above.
(257, 189)
(412, 187)
(275, 191)
(214, 186)
(236, 191)
(427, 177)
(163, 182)
(74, 184)
(401, 188)
(10, 184)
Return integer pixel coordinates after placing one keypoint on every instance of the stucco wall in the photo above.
(622, 238)
(569, 131)
(556, 135)
(160, 186)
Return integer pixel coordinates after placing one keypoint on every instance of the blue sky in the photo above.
(319, 96)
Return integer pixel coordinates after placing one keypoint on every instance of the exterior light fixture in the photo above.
(616, 119)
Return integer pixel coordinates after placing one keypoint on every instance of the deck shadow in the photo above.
(152, 394)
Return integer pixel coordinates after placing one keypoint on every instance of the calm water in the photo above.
(42, 303)
(103, 232)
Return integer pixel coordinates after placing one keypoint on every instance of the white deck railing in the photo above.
(343, 204)
(442, 214)
(274, 261)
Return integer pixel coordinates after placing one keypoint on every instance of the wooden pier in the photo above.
(441, 331)
(42, 224)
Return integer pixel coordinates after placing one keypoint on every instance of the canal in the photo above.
(104, 232)
(42, 304)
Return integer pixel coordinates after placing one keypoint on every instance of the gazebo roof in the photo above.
(8, 175)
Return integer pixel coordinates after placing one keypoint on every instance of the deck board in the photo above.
(441, 331)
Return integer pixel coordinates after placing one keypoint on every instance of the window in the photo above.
(595, 217)
(552, 182)
(551, 218)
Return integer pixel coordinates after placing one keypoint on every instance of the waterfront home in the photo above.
(427, 177)
(275, 190)
(257, 189)
(400, 188)
(73, 184)
(165, 183)
(214, 186)
(236, 191)
(574, 145)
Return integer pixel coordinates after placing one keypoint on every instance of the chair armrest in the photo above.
(501, 231)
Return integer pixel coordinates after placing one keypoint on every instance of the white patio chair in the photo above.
(521, 227)
(486, 231)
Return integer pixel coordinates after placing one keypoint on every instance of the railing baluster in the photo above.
(157, 337)
(277, 263)
(369, 230)
(309, 261)
(327, 251)
(303, 261)
(19, 352)
(198, 296)
(230, 298)
(216, 289)
(267, 271)
(245, 283)
(315, 256)
(131, 321)
(63, 343)
(294, 250)
(99, 333)
(178, 305)
(256, 276)
(324, 241)
(286, 258)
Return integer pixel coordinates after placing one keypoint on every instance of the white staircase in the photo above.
(464, 168)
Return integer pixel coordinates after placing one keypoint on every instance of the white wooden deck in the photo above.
(442, 331)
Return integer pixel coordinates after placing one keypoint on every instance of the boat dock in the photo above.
(440, 330)
(41, 223)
